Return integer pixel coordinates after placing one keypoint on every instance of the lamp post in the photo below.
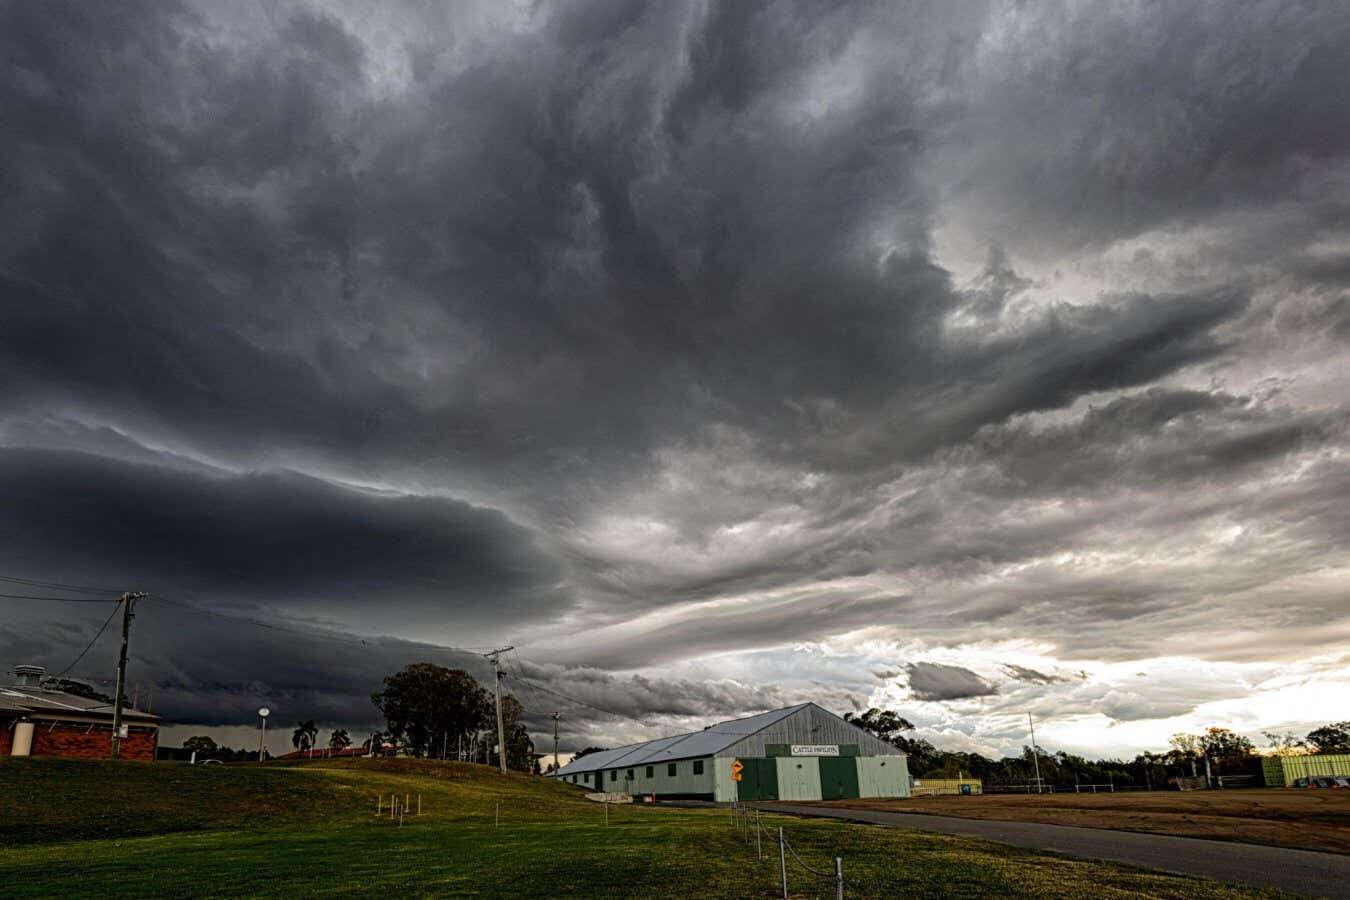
(263, 713)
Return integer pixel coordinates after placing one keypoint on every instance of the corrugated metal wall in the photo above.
(931, 787)
(1322, 764)
(811, 725)
(883, 776)
(798, 778)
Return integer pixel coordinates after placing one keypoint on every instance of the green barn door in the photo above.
(838, 778)
(766, 778)
(746, 788)
(759, 780)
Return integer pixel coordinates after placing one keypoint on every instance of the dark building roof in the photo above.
(45, 703)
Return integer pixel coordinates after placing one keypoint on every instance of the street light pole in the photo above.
(263, 713)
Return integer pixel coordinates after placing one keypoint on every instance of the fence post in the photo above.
(759, 846)
(838, 878)
(606, 812)
(419, 804)
(782, 860)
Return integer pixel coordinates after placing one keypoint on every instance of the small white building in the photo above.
(802, 752)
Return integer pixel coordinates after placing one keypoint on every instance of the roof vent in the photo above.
(30, 676)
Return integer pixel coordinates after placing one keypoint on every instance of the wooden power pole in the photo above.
(495, 656)
(128, 600)
(1035, 754)
(555, 743)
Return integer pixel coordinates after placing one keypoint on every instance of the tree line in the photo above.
(432, 711)
(1227, 752)
(429, 711)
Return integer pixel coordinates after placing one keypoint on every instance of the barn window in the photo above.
(613, 774)
(650, 772)
(630, 774)
(670, 770)
(698, 767)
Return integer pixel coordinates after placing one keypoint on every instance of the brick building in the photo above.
(39, 721)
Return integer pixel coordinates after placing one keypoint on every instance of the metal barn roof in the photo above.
(47, 703)
(708, 742)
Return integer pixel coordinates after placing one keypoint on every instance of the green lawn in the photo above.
(101, 829)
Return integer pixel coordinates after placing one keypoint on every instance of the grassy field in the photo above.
(102, 829)
(1282, 817)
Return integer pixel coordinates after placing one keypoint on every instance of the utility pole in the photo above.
(555, 745)
(127, 600)
(1035, 755)
(495, 656)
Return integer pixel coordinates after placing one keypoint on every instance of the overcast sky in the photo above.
(967, 359)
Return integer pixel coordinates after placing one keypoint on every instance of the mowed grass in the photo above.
(100, 829)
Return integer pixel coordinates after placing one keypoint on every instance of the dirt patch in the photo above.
(1310, 820)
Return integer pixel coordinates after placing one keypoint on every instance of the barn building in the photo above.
(802, 752)
(39, 721)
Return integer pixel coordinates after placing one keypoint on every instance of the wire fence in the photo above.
(747, 821)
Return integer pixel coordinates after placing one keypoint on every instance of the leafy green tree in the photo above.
(884, 723)
(305, 735)
(588, 751)
(428, 707)
(1225, 747)
(1333, 738)
(201, 744)
(1285, 743)
(77, 688)
(889, 726)
(339, 739)
(1185, 750)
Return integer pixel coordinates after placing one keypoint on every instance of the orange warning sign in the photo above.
(737, 767)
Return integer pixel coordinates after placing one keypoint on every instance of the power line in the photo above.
(79, 588)
(520, 666)
(52, 599)
(92, 642)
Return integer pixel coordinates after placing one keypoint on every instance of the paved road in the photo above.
(1300, 871)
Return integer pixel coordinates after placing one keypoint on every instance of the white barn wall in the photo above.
(798, 778)
(883, 776)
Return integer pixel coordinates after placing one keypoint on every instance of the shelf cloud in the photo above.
(718, 355)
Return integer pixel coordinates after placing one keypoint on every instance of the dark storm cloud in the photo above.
(636, 321)
(935, 681)
(1031, 676)
(1116, 121)
(265, 535)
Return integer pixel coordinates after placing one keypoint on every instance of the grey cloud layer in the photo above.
(627, 327)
